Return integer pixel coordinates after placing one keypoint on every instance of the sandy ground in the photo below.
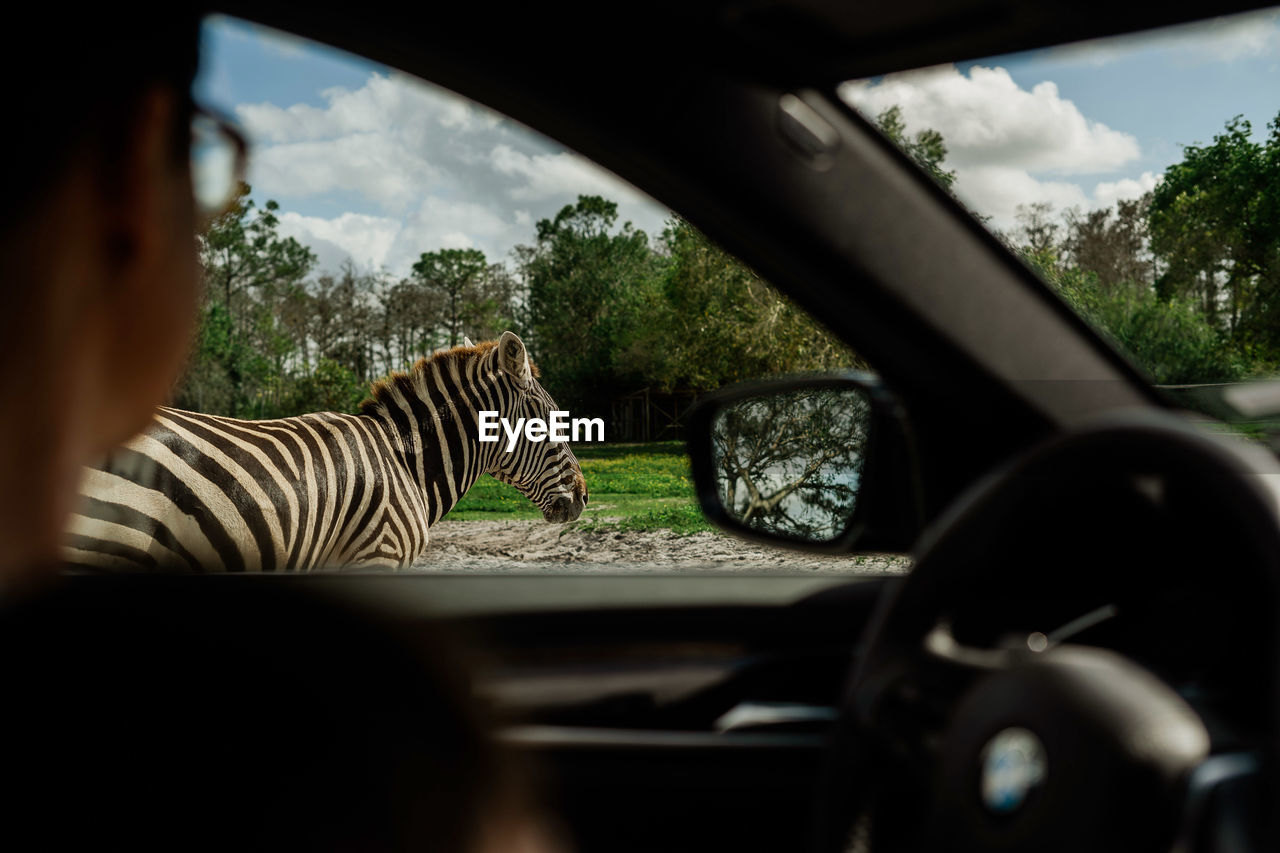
(534, 546)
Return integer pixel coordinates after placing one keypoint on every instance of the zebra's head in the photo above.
(545, 472)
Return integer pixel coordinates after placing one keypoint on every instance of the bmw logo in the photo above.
(1013, 764)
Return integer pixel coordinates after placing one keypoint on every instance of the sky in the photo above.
(1088, 124)
(377, 166)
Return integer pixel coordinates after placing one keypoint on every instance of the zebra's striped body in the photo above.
(202, 492)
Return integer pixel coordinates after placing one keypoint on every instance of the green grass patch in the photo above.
(632, 487)
(683, 518)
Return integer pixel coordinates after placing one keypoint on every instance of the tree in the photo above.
(455, 275)
(331, 387)
(252, 277)
(1214, 228)
(791, 463)
(714, 321)
(409, 322)
(584, 277)
(1038, 227)
(927, 147)
(242, 251)
(1112, 242)
(343, 320)
(1169, 339)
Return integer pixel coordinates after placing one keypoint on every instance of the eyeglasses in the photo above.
(219, 157)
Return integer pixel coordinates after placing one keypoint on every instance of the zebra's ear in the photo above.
(466, 342)
(513, 360)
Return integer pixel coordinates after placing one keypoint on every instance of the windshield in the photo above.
(1138, 175)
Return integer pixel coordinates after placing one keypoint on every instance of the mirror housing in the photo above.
(837, 450)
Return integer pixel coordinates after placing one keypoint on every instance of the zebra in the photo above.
(210, 493)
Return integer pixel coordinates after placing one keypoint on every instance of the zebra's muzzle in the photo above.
(563, 509)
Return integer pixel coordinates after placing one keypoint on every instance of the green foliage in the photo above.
(1170, 339)
(468, 291)
(241, 250)
(587, 282)
(605, 312)
(274, 342)
(1185, 280)
(1215, 225)
(251, 277)
(610, 313)
(713, 321)
(1111, 242)
(330, 387)
(927, 147)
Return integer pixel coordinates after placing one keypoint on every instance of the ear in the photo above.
(466, 342)
(513, 360)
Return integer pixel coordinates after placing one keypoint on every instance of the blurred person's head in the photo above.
(143, 715)
(97, 249)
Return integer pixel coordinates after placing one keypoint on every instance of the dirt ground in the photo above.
(534, 546)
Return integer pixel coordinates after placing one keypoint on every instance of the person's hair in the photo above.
(81, 96)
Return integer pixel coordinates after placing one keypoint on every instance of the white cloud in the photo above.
(393, 141)
(987, 119)
(998, 191)
(386, 103)
(1108, 193)
(367, 240)
(1009, 146)
(369, 164)
(446, 224)
(548, 175)
(461, 115)
(394, 243)
(448, 172)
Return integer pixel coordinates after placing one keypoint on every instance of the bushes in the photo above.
(1169, 339)
(331, 387)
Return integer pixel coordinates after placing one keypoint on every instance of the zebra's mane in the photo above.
(381, 393)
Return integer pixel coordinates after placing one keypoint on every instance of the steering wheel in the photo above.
(1034, 743)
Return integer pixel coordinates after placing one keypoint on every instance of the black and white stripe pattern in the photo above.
(208, 493)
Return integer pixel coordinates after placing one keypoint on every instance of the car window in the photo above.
(1139, 176)
(385, 220)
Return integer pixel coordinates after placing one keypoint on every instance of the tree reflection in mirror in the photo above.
(790, 463)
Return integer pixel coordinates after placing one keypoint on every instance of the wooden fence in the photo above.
(648, 415)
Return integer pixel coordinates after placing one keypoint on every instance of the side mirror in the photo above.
(823, 462)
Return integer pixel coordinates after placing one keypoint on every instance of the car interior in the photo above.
(1059, 581)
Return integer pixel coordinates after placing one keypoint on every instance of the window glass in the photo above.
(1140, 176)
(384, 220)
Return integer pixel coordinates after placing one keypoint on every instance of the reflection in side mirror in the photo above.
(822, 461)
(790, 463)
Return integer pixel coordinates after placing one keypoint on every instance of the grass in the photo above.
(632, 487)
